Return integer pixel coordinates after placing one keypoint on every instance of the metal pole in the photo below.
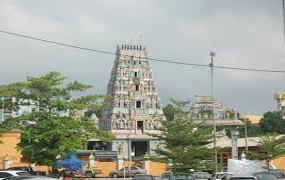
(246, 146)
(124, 171)
(283, 5)
(283, 8)
(212, 54)
(2, 110)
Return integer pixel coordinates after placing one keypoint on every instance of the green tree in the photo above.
(95, 105)
(252, 131)
(272, 122)
(176, 109)
(168, 112)
(56, 128)
(184, 143)
(271, 146)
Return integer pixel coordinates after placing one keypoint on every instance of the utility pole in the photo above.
(246, 145)
(283, 5)
(212, 54)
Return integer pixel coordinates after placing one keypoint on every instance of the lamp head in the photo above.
(212, 53)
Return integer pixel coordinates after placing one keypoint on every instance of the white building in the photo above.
(26, 106)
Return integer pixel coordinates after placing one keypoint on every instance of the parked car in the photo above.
(128, 172)
(144, 177)
(279, 173)
(181, 177)
(265, 175)
(165, 176)
(30, 170)
(226, 176)
(90, 172)
(201, 176)
(220, 175)
(5, 174)
(242, 177)
(31, 177)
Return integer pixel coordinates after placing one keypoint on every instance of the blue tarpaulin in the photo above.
(71, 163)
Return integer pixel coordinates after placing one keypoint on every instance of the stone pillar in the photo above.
(130, 158)
(6, 161)
(120, 163)
(91, 160)
(146, 165)
(234, 134)
(120, 156)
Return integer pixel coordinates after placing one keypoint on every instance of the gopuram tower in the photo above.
(133, 108)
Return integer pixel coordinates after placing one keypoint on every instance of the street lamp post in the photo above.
(212, 54)
(246, 138)
(283, 9)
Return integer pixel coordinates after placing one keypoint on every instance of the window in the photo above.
(140, 124)
(5, 174)
(136, 74)
(23, 173)
(137, 87)
(126, 169)
(138, 104)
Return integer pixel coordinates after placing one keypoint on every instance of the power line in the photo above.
(151, 59)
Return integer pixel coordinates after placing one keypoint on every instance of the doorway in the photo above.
(140, 148)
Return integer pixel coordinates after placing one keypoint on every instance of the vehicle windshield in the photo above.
(143, 177)
(201, 175)
(180, 177)
(123, 169)
(219, 176)
(266, 177)
(277, 173)
(166, 175)
(23, 174)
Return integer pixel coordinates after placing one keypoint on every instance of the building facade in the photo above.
(133, 108)
(280, 100)
(25, 107)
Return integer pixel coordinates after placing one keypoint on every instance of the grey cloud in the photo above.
(243, 33)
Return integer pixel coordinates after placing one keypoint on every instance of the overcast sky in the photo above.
(243, 33)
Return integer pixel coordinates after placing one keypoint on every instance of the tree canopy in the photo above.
(184, 143)
(252, 131)
(168, 112)
(273, 122)
(271, 146)
(176, 108)
(54, 126)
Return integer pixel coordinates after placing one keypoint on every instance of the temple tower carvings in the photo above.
(132, 105)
